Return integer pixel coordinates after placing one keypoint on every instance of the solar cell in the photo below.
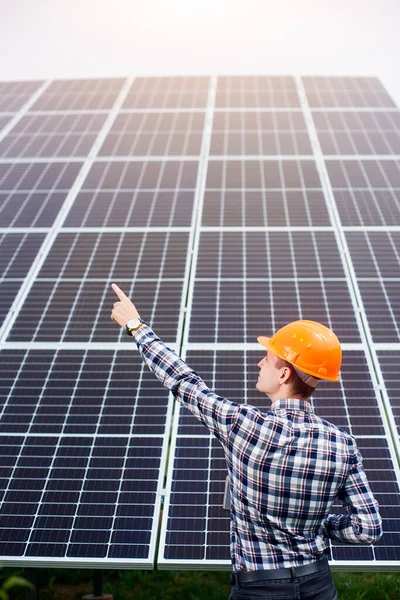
(139, 194)
(155, 133)
(31, 194)
(198, 527)
(389, 361)
(66, 134)
(117, 255)
(346, 92)
(14, 94)
(366, 192)
(136, 208)
(168, 92)
(17, 253)
(256, 92)
(375, 257)
(358, 132)
(265, 207)
(70, 298)
(258, 174)
(197, 474)
(79, 94)
(269, 193)
(8, 291)
(364, 173)
(268, 276)
(79, 311)
(144, 174)
(78, 393)
(259, 132)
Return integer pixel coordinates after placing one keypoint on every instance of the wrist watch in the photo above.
(133, 325)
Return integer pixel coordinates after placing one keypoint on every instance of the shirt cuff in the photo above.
(142, 333)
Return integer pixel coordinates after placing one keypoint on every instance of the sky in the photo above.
(64, 39)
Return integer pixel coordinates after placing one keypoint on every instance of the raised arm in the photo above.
(215, 412)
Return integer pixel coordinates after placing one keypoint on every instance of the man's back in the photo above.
(286, 468)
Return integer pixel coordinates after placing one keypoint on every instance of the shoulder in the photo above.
(339, 436)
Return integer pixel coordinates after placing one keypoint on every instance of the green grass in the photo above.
(73, 584)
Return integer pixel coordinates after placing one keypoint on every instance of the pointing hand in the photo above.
(124, 309)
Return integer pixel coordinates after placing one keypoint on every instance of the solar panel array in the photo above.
(225, 207)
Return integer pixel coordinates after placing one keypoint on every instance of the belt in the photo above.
(287, 573)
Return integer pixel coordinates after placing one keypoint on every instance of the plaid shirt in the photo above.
(286, 467)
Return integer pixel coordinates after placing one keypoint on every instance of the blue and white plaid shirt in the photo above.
(286, 467)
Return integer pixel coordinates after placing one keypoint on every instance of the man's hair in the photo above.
(299, 388)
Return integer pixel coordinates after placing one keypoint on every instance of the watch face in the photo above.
(133, 323)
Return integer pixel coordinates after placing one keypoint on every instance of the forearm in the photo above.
(362, 523)
(353, 529)
(166, 365)
(215, 412)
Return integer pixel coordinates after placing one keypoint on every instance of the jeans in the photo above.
(317, 586)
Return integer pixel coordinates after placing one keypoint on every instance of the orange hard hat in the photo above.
(310, 347)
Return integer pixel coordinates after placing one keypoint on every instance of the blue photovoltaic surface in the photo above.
(224, 207)
(32, 194)
(81, 446)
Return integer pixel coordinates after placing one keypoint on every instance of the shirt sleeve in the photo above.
(362, 523)
(215, 412)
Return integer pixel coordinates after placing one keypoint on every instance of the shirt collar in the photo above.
(292, 404)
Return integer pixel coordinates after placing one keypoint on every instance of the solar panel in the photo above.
(366, 192)
(355, 132)
(168, 92)
(388, 361)
(259, 132)
(79, 94)
(8, 291)
(71, 296)
(136, 194)
(17, 253)
(32, 194)
(264, 193)
(273, 278)
(360, 92)
(256, 92)
(82, 446)
(156, 133)
(48, 135)
(220, 205)
(14, 94)
(376, 261)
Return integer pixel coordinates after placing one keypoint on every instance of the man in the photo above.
(286, 466)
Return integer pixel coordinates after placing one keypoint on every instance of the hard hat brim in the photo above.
(265, 342)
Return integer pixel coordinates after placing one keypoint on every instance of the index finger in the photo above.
(119, 292)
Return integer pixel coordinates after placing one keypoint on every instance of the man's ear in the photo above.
(285, 374)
